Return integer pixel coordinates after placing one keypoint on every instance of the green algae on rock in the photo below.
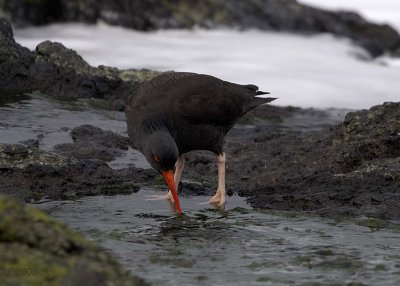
(31, 174)
(20, 157)
(38, 250)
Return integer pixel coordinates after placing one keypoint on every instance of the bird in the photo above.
(178, 112)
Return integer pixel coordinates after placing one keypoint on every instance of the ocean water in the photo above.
(318, 71)
(240, 245)
(237, 246)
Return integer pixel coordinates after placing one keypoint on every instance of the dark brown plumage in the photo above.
(175, 113)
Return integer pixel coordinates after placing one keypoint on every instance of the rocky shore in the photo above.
(37, 250)
(62, 73)
(275, 15)
(348, 169)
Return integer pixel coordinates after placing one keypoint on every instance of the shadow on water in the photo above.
(238, 246)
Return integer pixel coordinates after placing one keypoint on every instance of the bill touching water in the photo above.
(238, 246)
(312, 190)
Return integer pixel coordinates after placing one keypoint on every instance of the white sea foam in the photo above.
(309, 71)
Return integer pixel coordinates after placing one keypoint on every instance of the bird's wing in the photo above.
(196, 98)
(208, 100)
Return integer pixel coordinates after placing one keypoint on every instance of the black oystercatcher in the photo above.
(175, 113)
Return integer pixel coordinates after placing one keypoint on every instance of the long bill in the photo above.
(169, 179)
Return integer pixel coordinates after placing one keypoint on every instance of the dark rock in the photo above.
(61, 73)
(37, 250)
(34, 174)
(93, 143)
(16, 151)
(31, 143)
(87, 150)
(15, 61)
(109, 139)
(278, 15)
(352, 168)
(194, 189)
(39, 12)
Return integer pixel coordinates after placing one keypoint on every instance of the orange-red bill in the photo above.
(169, 179)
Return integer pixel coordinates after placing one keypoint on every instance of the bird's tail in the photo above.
(254, 88)
(256, 101)
(260, 100)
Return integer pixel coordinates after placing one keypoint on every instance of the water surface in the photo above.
(319, 71)
(238, 246)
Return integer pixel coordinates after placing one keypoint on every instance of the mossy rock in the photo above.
(20, 157)
(38, 250)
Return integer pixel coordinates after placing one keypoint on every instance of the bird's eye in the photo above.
(156, 158)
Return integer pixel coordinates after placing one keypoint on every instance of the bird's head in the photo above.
(162, 153)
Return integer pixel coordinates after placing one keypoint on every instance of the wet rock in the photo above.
(93, 143)
(109, 139)
(88, 150)
(350, 169)
(31, 143)
(37, 250)
(336, 171)
(61, 73)
(15, 61)
(278, 15)
(24, 12)
(32, 174)
(195, 189)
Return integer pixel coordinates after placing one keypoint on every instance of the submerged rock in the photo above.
(277, 15)
(37, 250)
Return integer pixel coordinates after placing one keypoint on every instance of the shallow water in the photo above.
(51, 121)
(238, 246)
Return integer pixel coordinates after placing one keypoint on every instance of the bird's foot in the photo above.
(168, 196)
(218, 199)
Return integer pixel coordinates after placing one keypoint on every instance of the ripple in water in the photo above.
(238, 246)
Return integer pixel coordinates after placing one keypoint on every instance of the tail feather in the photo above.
(251, 87)
(254, 88)
(256, 101)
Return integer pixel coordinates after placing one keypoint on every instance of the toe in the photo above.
(160, 197)
(214, 199)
